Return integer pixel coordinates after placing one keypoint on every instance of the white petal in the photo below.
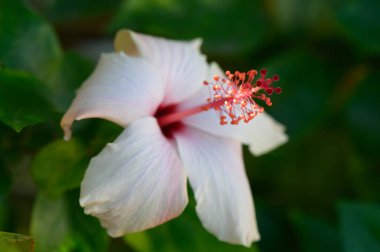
(262, 134)
(200, 97)
(121, 89)
(216, 173)
(135, 183)
(180, 63)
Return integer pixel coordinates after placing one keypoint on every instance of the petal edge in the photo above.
(216, 173)
(121, 89)
(135, 183)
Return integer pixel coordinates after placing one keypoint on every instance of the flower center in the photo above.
(169, 128)
(233, 98)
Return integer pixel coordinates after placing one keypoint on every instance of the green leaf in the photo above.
(22, 102)
(316, 235)
(11, 242)
(61, 225)
(59, 166)
(360, 226)
(27, 42)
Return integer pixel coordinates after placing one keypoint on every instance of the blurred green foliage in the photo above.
(360, 226)
(60, 225)
(319, 192)
(55, 173)
(26, 108)
(16, 243)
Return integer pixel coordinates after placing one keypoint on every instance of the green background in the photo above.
(319, 192)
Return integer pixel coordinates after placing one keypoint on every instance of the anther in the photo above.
(234, 97)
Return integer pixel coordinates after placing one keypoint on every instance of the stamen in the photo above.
(238, 93)
(232, 98)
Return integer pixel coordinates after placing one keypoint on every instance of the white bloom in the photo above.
(139, 181)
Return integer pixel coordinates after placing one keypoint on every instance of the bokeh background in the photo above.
(319, 192)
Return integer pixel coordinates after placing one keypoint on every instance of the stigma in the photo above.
(234, 97)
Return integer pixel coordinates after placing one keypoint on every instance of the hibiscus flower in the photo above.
(153, 88)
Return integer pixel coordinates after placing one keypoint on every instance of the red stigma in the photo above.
(233, 98)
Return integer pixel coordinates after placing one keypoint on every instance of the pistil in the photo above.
(233, 98)
(179, 115)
